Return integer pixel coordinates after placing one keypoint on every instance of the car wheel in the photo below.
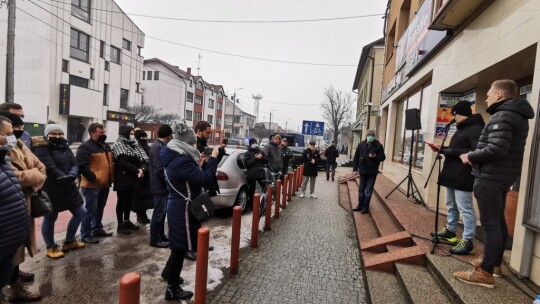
(241, 199)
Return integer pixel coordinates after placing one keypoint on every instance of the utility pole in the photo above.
(10, 57)
(199, 66)
(270, 125)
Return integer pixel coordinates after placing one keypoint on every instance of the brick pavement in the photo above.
(310, 256)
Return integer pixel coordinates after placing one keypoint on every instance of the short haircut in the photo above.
(14, 118)
(92, 128)
(2, 119)
(164, 131)
(10, 105)
(277, 136)
(202, 126)
(507, 86)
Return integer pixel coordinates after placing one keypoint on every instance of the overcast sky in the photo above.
(281, 84)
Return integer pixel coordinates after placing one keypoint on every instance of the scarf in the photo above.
(130, 148)
(184, 149)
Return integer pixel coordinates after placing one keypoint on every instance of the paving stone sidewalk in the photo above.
(310, 256)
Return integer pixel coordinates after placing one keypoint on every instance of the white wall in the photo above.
(168, 93)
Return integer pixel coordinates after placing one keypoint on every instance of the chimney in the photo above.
(189, 71)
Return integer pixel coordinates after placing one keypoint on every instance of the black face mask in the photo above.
(143, 142)
(18, 133)
(57, 140)
(102, 138)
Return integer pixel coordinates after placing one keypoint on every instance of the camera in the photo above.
(225, 141)
(208, 150)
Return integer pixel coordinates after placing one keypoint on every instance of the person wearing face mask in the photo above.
(95, 160)
(143, 197)
(17, 109)
(31, 174)
(310, 156)
(331, 154)
(255, 161)
(130, 167)
(54, 152)
(367, 158)
(12, 202)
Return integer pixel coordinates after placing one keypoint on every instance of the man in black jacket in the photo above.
(496, 164)
(458, 179)
(255, 162)
(331, 154)
(287, 156)
(367, 158)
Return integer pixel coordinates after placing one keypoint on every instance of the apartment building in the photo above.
(75, 62)
(239, 122)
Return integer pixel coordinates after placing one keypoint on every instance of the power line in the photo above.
(285, 103)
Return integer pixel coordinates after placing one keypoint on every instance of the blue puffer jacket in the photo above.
(179, 169)
(14, 222)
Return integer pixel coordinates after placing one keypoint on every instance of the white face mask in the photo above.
(11, 143)
(254, 146)
(132, 137)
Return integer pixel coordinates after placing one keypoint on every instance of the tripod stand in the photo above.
(411, 185)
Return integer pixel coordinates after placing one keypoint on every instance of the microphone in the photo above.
(450, 123)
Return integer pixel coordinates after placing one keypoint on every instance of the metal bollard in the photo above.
(255, 221)
(278, 199)
(290, 187)
(201, 270)
(130, 288)
(235, 239)
(285, 192)
(268, 211)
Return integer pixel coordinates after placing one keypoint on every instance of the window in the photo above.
(189, 97)
(149, 77)
(65, 66)
(217, 138)
(81, 9)
(212, 92)
(80, 44)
(220, 95)
(198, 99)
(126, 44)
(190, 83)
(220, 106)
(189, 115)
(138, 89)
(106, 65)
(211, 103)
(156, 75)
(102, 49)
(218, 121)
(92, 73)
(237, 119)
(78, 81)
(115, 54)
(139, 50)
(124, 97)
(105, 94)
(210, 119)
(143, 75)
(198, 86)
(198, 116)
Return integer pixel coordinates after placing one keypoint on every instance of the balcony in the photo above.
(449, 14)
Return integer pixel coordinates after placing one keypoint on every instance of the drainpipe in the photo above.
(370, 91)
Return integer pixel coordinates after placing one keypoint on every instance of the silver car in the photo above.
(231, 176)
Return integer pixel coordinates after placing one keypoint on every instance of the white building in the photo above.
(240, 126)
(75, 61)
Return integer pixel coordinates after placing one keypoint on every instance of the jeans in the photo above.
(460, 201)
(367, 182)
(312, 180)
(491, 198)
(95, 204)
(331, 167)
(157, 225)
(47, 227)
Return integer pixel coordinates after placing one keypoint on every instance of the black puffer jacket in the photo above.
(59, 161)
(255, 166)
(331, 154)
(499, 154)
(365, 164)
(455, 174)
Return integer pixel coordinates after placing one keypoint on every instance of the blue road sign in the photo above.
(313, 127)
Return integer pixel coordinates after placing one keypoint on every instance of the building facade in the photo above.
(439, 52)
(75, 62)
(238, 121)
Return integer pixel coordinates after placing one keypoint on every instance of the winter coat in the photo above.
(157, 176)
(455, 174)
(309, 168)
(364, 164)
(254, 166)
(273, 153)
(31, 174)
(126, 169)
(95, 165)
(331, 154)
(499, 154)
(14, 226)
(144, 199)
(59, 161)
(287, 156)
(179, 169)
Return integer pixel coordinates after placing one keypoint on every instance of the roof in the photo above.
(169, 66)
(240, 107)
(363, 59)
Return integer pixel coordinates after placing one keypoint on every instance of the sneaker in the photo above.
(177, 293)
(191, 255)
(447, 235)
(476, 276)
(497, 271)
(18, 293)
(463, 247)
(54, 252)
(73, 245)
(25, 276)
(131, 226)
(101, 233)
(301, 195)
(90, 240)
(313, 196)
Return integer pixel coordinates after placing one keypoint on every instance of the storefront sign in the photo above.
(444, 111)
(237, 125)
(121, 117)
(394, 84)
(65, 93)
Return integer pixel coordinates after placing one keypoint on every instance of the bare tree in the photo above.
(260, 131)
(144, 113)
(168, 118)
(337, 109)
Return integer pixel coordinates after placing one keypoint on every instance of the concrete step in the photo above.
(386, 223)
(402, 238)
(385, 261)
(344, 199)
(420, 286)
(386, 288)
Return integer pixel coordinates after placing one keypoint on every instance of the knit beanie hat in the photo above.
(370, 133)
(140, 133)
(52, 128)
(184, 133)
(463, 107)
(252, 141)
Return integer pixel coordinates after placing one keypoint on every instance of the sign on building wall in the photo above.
(64, 99)
(444, 111)
(121, 117)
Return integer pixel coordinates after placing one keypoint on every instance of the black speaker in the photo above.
(412, 119)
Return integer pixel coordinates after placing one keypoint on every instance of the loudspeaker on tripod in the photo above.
(412, 119)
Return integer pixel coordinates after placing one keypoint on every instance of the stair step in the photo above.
(384, 220)
(345, 179)
(402, 238)
(420, 286)
(385, 288)
(385, 261)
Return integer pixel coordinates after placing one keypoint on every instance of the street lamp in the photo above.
(270, 125)
(286, 121)
(234, 109)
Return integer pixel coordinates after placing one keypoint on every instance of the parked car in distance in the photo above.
(264, 142)
(231, 177)
(237, 144)
(297, 158)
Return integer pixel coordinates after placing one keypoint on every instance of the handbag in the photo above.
(201, 207)
(40, 203)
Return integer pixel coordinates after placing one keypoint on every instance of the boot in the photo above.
(73, 245)
(18, 293)
(123, 229)
(54, 252)
(26, 276)
(333, 175)
(177, 293)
